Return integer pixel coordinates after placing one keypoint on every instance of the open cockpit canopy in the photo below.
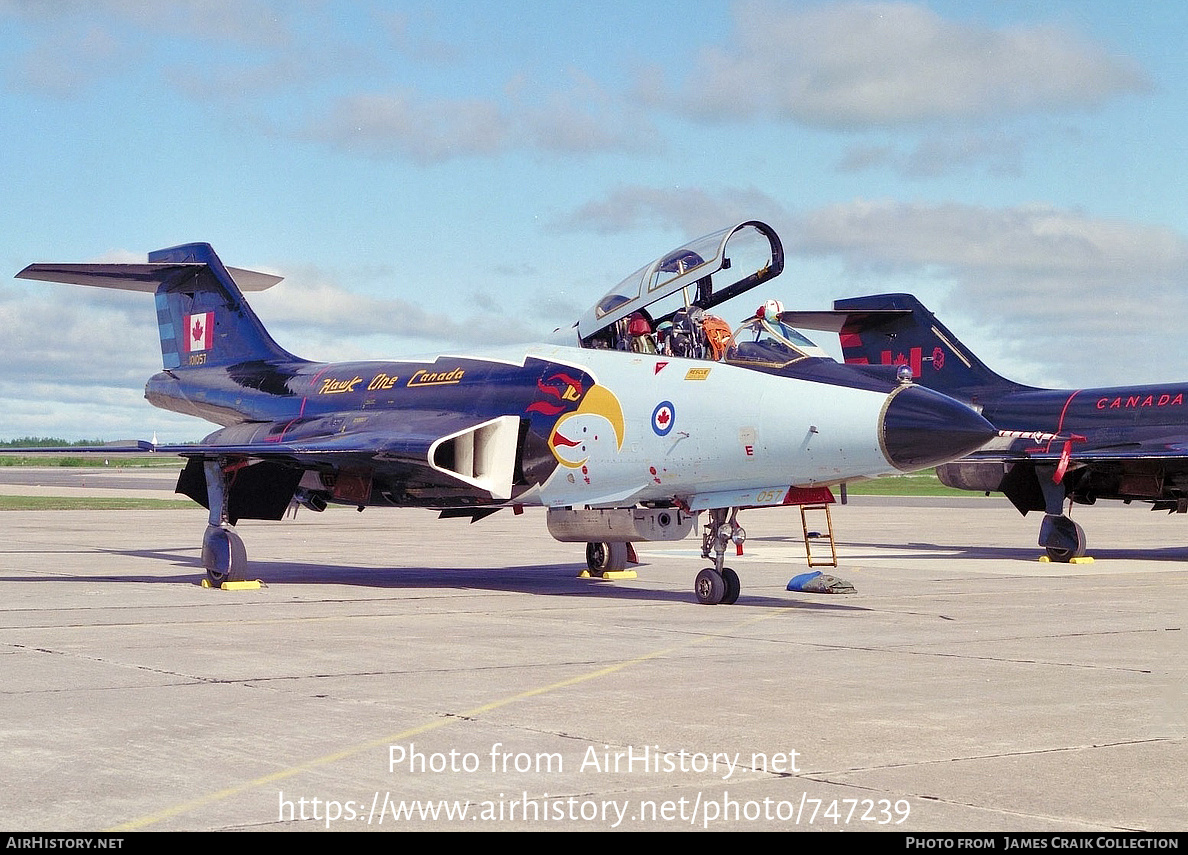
(699, 275)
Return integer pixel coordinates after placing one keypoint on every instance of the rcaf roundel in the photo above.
(662, 418)
(199, 332)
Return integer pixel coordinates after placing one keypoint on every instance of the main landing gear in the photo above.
(719, 584)
(223, 553)
(602, 558)
(1062, 539)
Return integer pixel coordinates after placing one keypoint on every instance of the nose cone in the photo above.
(922, 428)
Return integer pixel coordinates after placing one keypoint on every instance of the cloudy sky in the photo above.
(437, 175)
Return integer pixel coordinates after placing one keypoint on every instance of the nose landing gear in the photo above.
(719, 584)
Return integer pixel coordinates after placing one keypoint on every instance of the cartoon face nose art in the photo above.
(596, 424)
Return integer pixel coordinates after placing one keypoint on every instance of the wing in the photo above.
(1012, 446)
(410, 458)
(1027, 467)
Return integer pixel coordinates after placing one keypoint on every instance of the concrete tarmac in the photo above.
(402, 672)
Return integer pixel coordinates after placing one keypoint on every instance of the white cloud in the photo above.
(583, 120)
(1068, 298)
(74, 45)
(401, 124)
(302, 75)
(690, 212)
(78, 335)
(858, 65)
(310, 306)
(993, 242)
(996, 153)
(66, 61)
(76, 363)
(251, 22)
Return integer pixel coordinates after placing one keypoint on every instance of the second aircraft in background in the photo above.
(1057, 445)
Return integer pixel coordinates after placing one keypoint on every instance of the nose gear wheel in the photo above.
(718, 584)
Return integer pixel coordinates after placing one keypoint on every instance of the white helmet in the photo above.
(770, 311)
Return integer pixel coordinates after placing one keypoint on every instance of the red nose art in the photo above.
(558, 439)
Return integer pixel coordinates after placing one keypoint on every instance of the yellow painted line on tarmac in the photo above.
(246, 786)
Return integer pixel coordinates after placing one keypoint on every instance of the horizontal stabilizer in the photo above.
(834, 321)
(203, 320)
(138, 277)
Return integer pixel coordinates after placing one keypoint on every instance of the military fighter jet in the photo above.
(1055, 445)
(624, 427)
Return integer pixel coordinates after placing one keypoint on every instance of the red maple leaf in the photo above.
(662, 418)
(197, 334)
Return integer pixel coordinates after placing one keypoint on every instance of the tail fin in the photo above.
(202, 316)
(897, 329)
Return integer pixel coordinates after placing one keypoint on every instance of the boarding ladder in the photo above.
(825, 534)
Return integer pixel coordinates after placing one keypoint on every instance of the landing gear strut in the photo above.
(1061, 538)
(223, 553)
(719, 584)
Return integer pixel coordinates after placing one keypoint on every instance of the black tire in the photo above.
(1064, 556)
(223, 556)
(602, 558)
(733, 587)
(709, 587)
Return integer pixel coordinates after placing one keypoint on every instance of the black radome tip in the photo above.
(922, 428)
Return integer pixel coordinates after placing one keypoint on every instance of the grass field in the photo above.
(923, 483)
(88, 503)
(87, 461)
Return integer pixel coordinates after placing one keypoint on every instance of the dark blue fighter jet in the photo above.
(1055, 445)
(622, 431)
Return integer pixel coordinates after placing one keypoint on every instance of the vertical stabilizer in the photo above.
(897, 329)
(202, 316)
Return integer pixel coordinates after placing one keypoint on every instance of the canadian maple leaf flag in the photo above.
(199, 332)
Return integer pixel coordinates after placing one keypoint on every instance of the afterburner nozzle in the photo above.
(922, 428)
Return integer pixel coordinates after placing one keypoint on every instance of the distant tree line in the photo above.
(45, 442)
